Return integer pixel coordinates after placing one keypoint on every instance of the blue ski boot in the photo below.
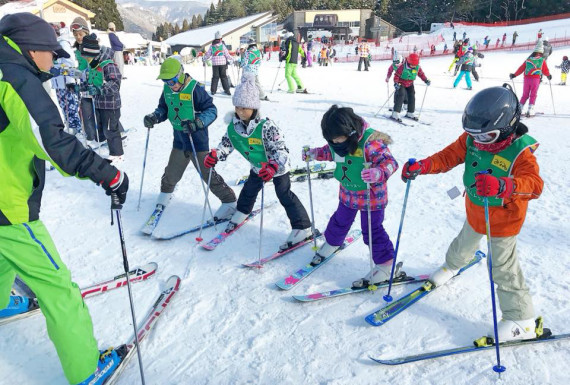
(17, 305)
(108, 363)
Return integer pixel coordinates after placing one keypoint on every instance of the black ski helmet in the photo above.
(494, 108)
(342, 121)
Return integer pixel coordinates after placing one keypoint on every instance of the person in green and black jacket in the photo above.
(31, 132)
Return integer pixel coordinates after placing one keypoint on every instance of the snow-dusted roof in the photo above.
(129, 40)
(204, 35)
(33, 6)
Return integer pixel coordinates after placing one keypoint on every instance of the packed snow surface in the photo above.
(230, 325)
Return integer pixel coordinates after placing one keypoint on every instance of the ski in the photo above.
(417, 120)
(152, 222)
(546, 337)
(280, 253)
(385, 314)
(138, 274)
(205, 225)
(394, 120)
(218, 239)
(128, 350)
(527, 116)
(405, 280)
(300, 174)
(292, 280)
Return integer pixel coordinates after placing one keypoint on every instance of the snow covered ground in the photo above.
(230, 325)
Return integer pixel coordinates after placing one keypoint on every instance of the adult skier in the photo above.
(497, 142)
(290, 54)
(220, 60)
(190, 110)
(31, 132)
(404, 85)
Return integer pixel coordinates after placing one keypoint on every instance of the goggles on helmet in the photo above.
(76, 27)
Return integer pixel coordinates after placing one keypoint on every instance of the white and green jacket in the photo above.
(31, 132)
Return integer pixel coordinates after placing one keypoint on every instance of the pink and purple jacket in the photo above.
(376, 152)
(222, 56)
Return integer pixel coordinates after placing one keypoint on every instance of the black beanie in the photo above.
(90, 46)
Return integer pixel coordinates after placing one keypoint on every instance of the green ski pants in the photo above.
(27, 250)
(290, 74)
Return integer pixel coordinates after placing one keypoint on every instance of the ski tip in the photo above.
(370, 319)
(173, 283)
(283, 286)
(199, 239)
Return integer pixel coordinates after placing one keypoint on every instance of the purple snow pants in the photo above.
(530, 87)
(339, 226)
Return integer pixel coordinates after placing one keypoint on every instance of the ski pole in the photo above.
(143, 169)
(116, 207)
(274, 80)
(96, 127)
(423, 100)
(368, 200)
(199, 237)
(388, 90)
(305, 150)
(552, 97)
(201, 179)
(389, 96)
(514, 88)
(497, 368)
(388, 297)
(261, 223)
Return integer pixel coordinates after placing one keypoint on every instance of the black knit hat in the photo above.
(31, 33)
(90, 46)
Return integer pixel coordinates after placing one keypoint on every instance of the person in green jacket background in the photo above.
(31, 132)
(290, 54)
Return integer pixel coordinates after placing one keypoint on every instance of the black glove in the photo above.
(397, 86)
(549, 77)
(72, 87)
(428, 82)
(192, 125)
(118, 186)
(150, 120)
(512, 76)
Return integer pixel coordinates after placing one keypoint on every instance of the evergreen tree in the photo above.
(194, 22)
(105, 12)
(185, 25)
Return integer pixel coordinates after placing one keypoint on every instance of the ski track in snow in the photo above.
(230, 325)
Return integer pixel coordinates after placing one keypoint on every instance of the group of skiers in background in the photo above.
(491, 127)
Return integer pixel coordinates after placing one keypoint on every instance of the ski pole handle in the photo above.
(115, 202)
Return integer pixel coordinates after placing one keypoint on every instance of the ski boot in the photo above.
(411, 115)
(237, 218)
(324, 251)
(163, 199)
(225, 211)
(442, 275)
(378, 274)
(296, 236)
(18, 305)
(509, 330)
(396, 116)
(302, 91)
(530, 111)
(108, 363)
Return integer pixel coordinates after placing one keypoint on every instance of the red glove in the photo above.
(411, 171)
(211, 159)
(268, 170)
(490, 186)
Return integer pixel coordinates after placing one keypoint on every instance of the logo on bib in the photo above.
(185, 97)
(254, 141)
(500, 162)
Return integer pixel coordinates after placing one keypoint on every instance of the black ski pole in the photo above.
(116, 207)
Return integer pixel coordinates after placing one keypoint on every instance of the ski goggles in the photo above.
(77, 27)
(171, 82)
(487, 137)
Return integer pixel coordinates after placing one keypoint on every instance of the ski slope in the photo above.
(230, 325)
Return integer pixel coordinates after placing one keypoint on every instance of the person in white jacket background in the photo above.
(64, 81)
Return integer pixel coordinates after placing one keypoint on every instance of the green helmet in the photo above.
(171, 68)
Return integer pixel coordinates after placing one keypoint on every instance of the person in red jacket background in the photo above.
(533, 68)
(404, 84)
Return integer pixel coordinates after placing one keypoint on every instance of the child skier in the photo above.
(466, 62)
(190, 110)
(396, 62)
(261, 142)
(351, 143)
(250, 62)
(104, 84)
(564, 68)
(495, 141)
(533, 67)
(404, 84)
(31, 132)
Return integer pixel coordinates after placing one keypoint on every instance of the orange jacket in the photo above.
(508, 219)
